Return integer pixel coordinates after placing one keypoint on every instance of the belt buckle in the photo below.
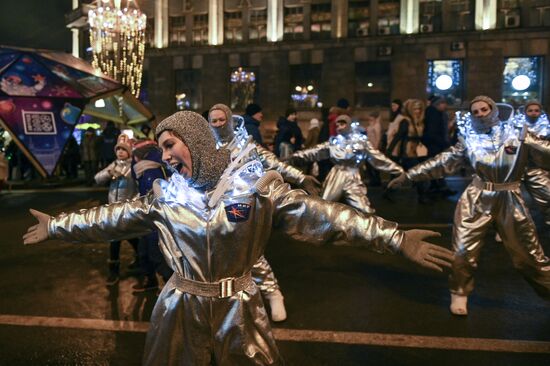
(227, 287)
(489, 186)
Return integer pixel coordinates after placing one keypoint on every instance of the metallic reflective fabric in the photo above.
(497, 157)
(537, 181)
(264, 277)
(343, 182)
(261, 271)
(271, 162)
(208, 244)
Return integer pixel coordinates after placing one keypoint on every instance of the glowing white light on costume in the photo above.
(310, 87)
(298, 88)
(319, 104)
(443, 82)
(521, 82)
(370, 85)
(100, 103)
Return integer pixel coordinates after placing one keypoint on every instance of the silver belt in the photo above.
(495, 187)
(223, 288)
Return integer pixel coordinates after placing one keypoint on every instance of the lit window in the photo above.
(445, 79)
(321, 18)
(305, 86)
(358, 24)
(294, 22)
(522, 79)
(233, 24)
(430, 16)
(243, 88)
(388, 17)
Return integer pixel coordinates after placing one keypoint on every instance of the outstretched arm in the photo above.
(445, 163)
(271, 162)
(290, 174)
(316, 153)
(108, 222)
(380, 161)
(312, 220)
(539, 150)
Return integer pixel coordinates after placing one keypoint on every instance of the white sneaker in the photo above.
(459, 305)
(277, 305)
(498, 239)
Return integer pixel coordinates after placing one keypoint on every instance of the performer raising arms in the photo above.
(499, 157)
(214, 218)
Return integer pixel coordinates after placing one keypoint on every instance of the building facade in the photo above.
(310, 53)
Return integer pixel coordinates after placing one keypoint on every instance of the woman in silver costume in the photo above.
(499, 156)
(220, 119)
(348, 150)
(214, 218)
(537, 180)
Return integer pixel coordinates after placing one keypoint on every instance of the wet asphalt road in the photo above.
(326, 288)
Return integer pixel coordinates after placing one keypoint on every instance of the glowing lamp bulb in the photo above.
(443, 82)
(521, 82)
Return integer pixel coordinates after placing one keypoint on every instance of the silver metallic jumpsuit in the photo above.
(537, 180)
(238, 140)
(499, 159)
(213, 244)
(343, 182)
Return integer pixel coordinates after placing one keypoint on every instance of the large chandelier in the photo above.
(117, 37)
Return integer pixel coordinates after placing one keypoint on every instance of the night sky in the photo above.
(35, 24)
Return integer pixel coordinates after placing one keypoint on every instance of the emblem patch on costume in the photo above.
(510, 150)
(237, 212)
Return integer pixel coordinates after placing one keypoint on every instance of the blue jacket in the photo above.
(145, 181)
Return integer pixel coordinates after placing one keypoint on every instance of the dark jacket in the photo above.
(286, 131)
(148, 176)
(436, 133)
(253, 128)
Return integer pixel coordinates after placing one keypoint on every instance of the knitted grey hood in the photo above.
(208, 162)
(484, 124)
(224, 134)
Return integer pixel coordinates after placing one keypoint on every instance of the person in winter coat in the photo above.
(122, 187)
(147, 166)
(289, 137)
(408, 141)
(312, 138)
(436, 137)
(252, 119)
